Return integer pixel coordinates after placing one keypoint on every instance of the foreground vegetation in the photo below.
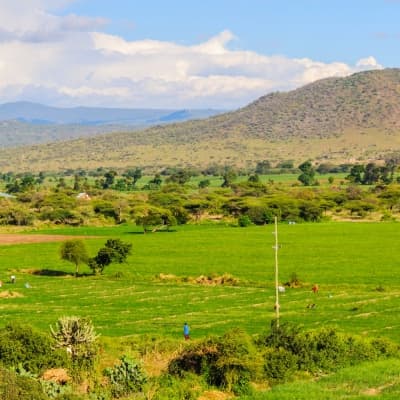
(232, 363)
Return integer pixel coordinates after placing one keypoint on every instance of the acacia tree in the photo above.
(229, 176)
(308, 173)
(134, 175)
(154, 218)
(75, 252)
(114, 250)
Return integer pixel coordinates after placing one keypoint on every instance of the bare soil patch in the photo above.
(8, 294)
(225, 279)
(215, 395)
(17, 238)
(58, 375)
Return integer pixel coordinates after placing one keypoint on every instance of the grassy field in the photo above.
(377, 380)
(349, 261)
(216, 181)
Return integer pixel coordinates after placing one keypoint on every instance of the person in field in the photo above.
(186, 331)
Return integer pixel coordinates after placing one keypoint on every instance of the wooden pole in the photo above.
(276, 274)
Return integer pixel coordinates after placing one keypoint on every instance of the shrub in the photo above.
(204, 183)
(15, 387)
(385, 347)
(126, 377)
(227, 362)
(106, 208)
(173, 388)
(56, 391)
(324, 350)
(280, 364)
(260, 215)
(34, 351)
(61, 216)
(78, 337)
(244, 221)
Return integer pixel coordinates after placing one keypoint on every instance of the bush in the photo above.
(106, 208)
(57, 391)
(15, 387)
(169, 387)
(260, 215)
(280, 364)
(324, 350)
(32, 350)
(244, 221)
(126, 377)
(227, 362)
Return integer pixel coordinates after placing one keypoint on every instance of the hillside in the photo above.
(338, 119)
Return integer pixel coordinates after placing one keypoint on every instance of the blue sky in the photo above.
(323, 30)
(186, 54)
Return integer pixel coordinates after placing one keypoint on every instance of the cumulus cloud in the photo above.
(369, 63)
(32, 21)
(68, 60)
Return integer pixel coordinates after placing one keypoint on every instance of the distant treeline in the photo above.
(169, 199)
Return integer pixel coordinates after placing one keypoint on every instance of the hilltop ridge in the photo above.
(338, 119)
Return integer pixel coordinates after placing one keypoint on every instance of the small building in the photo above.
(83, 196)
(6, 195)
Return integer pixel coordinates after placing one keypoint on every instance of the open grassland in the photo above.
(376, 380)
(349, 261)
(121, 150)
(286, 179)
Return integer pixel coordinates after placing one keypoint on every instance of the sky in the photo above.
(172, 54)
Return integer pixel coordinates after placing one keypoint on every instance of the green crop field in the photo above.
(349, 261)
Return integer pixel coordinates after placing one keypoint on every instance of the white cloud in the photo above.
(32, 22)
(368, 62)
(67, 60)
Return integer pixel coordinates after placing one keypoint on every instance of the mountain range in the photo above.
(40, 114)
(335, 119)
(24, 123)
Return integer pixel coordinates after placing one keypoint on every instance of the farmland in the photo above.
(356, 265)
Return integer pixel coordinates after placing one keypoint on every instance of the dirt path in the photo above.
(16, 238)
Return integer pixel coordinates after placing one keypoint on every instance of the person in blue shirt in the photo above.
(186, 331)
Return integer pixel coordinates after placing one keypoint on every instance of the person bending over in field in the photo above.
(186, 331)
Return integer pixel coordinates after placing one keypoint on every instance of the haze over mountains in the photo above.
(337, 119)
(23, 123)
(35, 113)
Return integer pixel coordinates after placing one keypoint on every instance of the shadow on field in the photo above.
(149, 232)
(49, 272)
(52, 272)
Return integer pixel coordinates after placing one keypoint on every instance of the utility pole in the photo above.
(276, 247)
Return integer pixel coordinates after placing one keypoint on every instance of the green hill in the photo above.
(337, 119)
